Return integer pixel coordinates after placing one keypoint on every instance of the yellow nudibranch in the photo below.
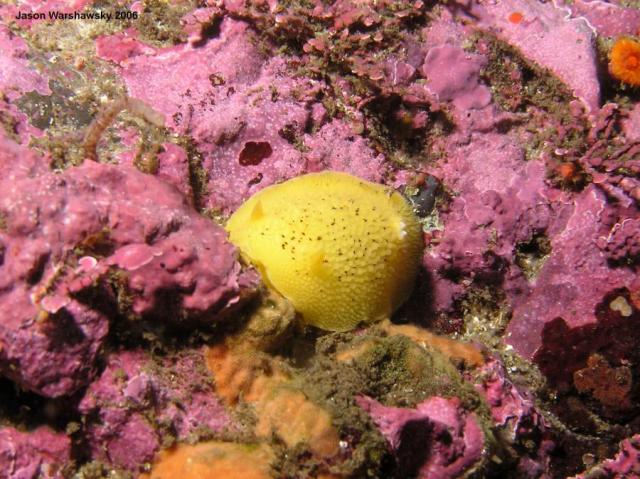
(343, 250)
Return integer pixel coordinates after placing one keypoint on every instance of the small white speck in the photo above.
(402, 230)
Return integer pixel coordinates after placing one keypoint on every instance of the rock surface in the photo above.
(65, 234)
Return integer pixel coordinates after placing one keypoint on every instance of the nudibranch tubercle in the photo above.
(343, 250)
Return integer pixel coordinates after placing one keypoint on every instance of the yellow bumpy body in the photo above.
(343, 250)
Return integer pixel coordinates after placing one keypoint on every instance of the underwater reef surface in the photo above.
(136, 341)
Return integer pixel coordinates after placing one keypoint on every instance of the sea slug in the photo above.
(343, 250)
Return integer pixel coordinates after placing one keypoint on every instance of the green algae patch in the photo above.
(333, 387)
(396, 372)
(517, 83)
(160, 22)
(99, 470)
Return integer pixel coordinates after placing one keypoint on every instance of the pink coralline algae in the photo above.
(13, 63)
(631, 124)
(336, 147)
(170, 165)
(626, 463)
(500, 203)
(574, 278)
(611, 161)
(137, 393)
(121, 47)
(547, 37)
(622, 244)
(223, 107)
(494, 215)
(15, 66)
(460, 84)
(514, 413)
(127, 221)
(451, 441)
(246, 116)
(41, 453)
(607, 18)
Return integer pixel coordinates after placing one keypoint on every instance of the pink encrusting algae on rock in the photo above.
(437, 428)
(609, 19)
(127, 221)
(461, 84)
(135, 393)
(625, 464)
(515, 413)
(559, 289)
(222, 106)
(246, 116)
(547, 36)
(41, 453)
(13, 64)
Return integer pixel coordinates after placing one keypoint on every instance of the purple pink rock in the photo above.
(246, 115)
(491, 214)
(435, 439)
(607, 18)
(574, 279)
(518, 419)
(127, 221)
(15, 65)
(140, 402)
(253, 122)
(622, 244)
(229, 109)
(38, 454)
(548, 36)
(625, 464)
(460, 84)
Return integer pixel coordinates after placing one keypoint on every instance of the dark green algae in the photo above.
(396, 372)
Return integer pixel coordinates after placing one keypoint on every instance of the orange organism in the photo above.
(516, 17)
(567, 171)
(624, 61)
(569, 175)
